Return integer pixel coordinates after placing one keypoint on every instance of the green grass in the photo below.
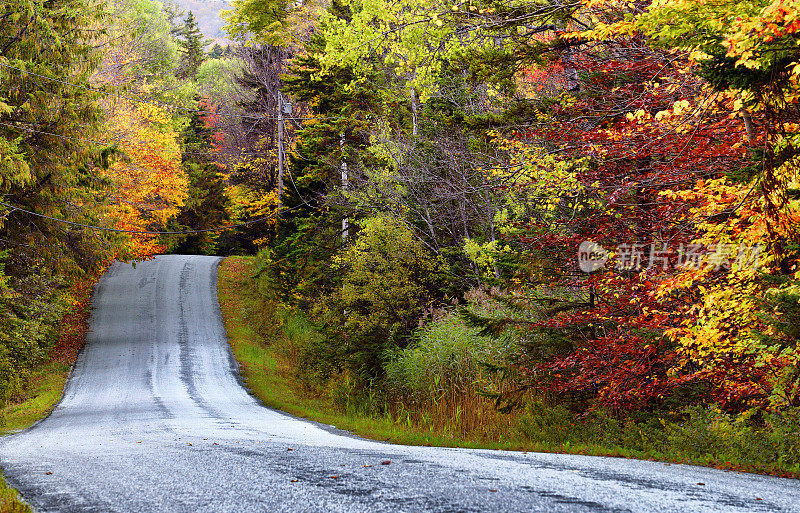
(38, 399)
(10, 501)
(262, 340)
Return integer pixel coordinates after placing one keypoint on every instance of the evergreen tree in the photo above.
(173, 13)
(216, 51)
(311, 231)
(207, 205)
(46, 166)
(191, 43)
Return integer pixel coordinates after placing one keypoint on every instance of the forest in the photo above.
(488, 215)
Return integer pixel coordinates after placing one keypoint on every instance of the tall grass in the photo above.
(437, 381)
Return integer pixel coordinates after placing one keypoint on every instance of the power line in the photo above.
(67, 138)
(146, 232)
(106, 143)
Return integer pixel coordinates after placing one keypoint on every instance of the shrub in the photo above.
(447, 356)
(388, 280)
(441, 379)
(30, 309)
(771, 442)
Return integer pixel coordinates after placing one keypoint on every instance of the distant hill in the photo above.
(207, 14)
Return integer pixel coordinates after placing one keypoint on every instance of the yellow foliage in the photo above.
(149, 185)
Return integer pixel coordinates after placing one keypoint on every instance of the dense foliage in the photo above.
(500, 136)
(590, 207)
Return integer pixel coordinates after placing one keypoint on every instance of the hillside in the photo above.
(208, 18)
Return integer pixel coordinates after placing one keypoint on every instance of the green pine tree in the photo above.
(216, 51)
(207, 205)
(48, 167)
(192, 43)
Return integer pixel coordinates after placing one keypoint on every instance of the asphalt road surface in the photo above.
(154, 419)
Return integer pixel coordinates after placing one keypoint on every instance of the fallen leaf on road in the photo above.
(295, 480)
(334, 477)
(387, 462)
(492, 490)
(701, 484)
(47, 473)
(367, 466)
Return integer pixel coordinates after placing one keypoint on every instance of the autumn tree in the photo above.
(743, 335)
(148, 185)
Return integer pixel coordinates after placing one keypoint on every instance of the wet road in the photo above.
(154, 419)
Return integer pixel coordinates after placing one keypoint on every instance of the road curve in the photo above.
(154, 419)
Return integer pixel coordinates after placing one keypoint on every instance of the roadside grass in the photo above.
(265, 341)
(43, 392)
(45, 382)
(10, 501)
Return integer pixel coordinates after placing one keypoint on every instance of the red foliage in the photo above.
(75, 323)
(626, 362)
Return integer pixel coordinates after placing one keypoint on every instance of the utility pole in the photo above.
(346, 220)
(280, 150)
(284, 107)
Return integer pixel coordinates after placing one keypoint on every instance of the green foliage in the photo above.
(47, 165)
(446, 355)
(388, 280)
(146, 25)
(29, 311)
(215, 77)
(699, 435)
(191, 49)
(258, 17)
(770, 442)
(552, 425)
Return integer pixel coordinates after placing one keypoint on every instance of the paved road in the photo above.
(155, 420)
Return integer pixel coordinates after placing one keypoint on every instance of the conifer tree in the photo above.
(207, 204)
(191, 49)
(47, 167)
(173, 13)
